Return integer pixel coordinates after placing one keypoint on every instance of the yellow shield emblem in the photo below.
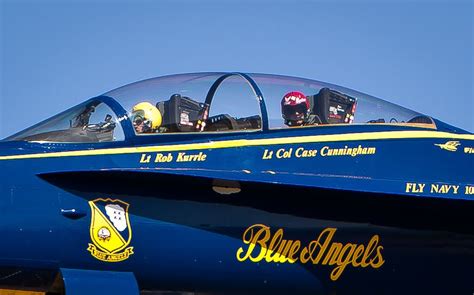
(110, 230)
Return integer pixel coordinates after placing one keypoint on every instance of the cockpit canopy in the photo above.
(216, 102)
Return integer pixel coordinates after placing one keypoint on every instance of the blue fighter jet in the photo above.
(233, 183)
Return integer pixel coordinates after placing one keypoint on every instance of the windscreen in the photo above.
(89, 122)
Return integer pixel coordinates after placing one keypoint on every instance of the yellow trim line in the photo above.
(250, 142)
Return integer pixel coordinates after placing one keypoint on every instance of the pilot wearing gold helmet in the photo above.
(146, 118)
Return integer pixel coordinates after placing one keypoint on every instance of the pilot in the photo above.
(146, 118)
(296, 111)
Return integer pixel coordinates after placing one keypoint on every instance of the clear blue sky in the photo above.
(55, 54)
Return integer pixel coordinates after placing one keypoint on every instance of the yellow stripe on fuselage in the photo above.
(249, 142)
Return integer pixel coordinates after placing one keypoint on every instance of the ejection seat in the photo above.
(180, 113)
(332, 107)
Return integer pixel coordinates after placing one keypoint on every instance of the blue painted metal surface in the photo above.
(387, 188)
(80, 282)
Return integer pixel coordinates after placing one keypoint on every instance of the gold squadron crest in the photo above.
(110, 230)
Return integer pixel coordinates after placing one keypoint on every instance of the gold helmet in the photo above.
(146, 117)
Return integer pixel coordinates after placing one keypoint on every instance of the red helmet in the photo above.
(294, 108)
